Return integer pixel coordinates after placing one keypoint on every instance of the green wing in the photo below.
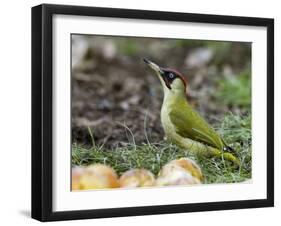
(190, 124)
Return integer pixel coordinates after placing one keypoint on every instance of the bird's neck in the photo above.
(173, 95)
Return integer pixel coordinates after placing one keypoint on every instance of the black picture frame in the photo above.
(42, 95)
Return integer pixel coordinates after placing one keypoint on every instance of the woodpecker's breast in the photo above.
(168, 126)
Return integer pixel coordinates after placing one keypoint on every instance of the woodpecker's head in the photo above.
(171, 80)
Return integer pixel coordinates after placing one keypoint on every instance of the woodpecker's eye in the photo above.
(171, 75)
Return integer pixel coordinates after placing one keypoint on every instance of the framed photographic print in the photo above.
(145, 112)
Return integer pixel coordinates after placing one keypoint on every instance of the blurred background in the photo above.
(113, 89)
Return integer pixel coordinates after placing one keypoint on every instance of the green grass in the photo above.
(235, 130)
(235, 90)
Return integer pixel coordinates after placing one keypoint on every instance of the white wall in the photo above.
(15, 116)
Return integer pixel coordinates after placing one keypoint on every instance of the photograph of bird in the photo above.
(182, 125)
(130, 131)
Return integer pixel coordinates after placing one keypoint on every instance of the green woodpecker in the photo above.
(182, 125)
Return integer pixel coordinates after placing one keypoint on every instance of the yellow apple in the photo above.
(137, 178)
(76, 175)
(182, 171)
(98, 176)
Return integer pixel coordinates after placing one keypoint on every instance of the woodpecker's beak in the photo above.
(159, 71)
(153, 66)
